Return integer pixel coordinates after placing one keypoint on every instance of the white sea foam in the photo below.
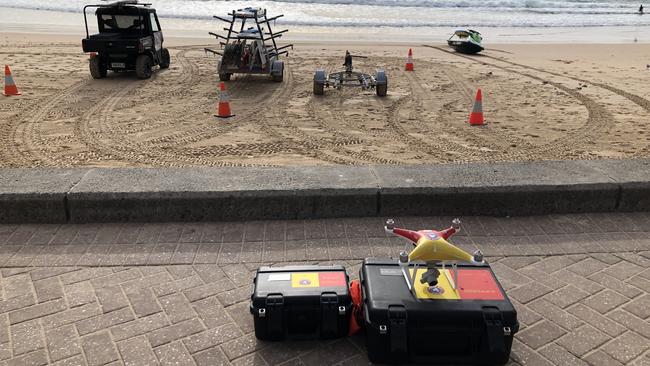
(399, 13)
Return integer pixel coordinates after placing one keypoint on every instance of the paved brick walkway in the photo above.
(177, 294)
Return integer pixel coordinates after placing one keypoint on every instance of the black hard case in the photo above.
(282, 312)
(432, 331)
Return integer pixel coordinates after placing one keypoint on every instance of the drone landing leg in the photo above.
(407, 279)
(413, 277)
(453, 283)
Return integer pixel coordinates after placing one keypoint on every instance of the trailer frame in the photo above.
(238, 56)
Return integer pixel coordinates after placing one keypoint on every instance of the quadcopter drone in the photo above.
(433, 250)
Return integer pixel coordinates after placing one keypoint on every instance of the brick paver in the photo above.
(177, 294)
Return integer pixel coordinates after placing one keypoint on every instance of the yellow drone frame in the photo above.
(432, 249)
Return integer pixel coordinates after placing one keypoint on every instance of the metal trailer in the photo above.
(247, 50)
(351, 78)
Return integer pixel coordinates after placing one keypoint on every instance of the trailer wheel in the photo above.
(382, 89)
(224, 77)
(382, 83)
(319, 88)
(98, 70)
(278, 76)
(165, 59)
(143, 67)
(277, 71)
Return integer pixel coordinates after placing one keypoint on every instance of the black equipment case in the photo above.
(301, 302)
(473, 324)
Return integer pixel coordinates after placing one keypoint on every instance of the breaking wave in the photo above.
(399, 13)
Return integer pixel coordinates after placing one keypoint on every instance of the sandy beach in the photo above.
(541, 102)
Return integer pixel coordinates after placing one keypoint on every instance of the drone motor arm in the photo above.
(453, 229)
(410, 235)
(447, 233)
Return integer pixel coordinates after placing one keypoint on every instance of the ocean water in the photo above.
(399, 13)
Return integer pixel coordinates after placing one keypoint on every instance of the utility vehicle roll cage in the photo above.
(117, 4)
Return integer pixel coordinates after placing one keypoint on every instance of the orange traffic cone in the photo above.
(476, 117)
(409, 61)
(224, 103)
(10, 86)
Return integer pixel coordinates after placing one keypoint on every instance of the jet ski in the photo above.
(466, 41)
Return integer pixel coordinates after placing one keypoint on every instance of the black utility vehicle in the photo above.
(129, 38)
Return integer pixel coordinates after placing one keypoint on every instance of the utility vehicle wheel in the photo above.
(319, 88)
(97, 69)
(224, 77)
(143, 67)
(278, 77)
(381, 90)
(165, 59)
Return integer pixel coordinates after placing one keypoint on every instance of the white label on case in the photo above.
(390, 271)
(280, 277)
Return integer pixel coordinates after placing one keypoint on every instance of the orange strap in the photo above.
(356, 320)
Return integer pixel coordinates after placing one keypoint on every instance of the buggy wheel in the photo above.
(165, 59)
(381, 89)
(98, 69)
(319, 88)
(278, 77)
(224, 77)
(143, 67)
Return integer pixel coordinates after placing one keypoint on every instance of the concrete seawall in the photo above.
(233, 194)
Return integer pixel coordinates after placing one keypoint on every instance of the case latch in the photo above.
(274, 314)
(329, 310)
(495, 330)
(398, 328)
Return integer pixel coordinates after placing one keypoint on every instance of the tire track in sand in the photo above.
(171, 136)
(147, 153)
(486, 135)
(134, 152)
(189, 73)
(441, 149)
(268, 97)
(207, 132)
(598, 119)
(30, 133)
(108, 142)
(642, 102)
(275, 124)
(337, 144)
(25, 127)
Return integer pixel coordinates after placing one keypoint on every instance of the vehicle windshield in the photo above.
(120, 23)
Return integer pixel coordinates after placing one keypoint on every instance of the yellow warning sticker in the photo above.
(442, 291)
(304, 279)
